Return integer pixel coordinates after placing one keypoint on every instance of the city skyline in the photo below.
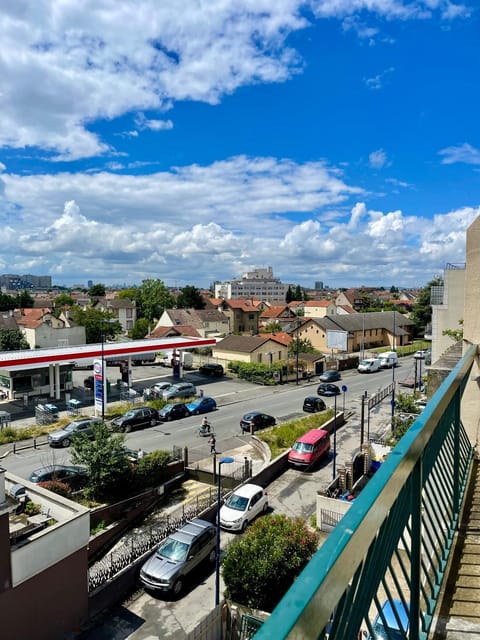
(334, 141)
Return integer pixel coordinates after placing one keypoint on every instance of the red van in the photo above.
(309, 448)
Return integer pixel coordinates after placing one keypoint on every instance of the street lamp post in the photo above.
(226, 460)
(334, 437)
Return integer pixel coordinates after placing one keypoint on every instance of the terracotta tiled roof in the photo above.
(32, 318)
(245, 344)
(275, 311)
(318, 303)
(243, 305)
(177, 330)
(279, 336)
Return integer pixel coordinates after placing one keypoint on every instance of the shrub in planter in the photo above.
(58, 487)
(152, 469)
(259, 568)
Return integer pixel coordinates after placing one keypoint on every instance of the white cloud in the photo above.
(378, 159)
(376, 82)
(66, 65)
(462, 153)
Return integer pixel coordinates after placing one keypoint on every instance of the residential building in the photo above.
(319, 308)
(243, 315)
(448, 302)
(364, 330)
(124, 310)
(259, 284)
(42, 329)
(207, 322)
(254, 349)
(43, 562)
(276, 313)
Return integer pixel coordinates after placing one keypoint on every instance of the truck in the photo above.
(369, 365)
(388, 359)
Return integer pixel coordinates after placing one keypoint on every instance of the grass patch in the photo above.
(282, 437)
(11, 434)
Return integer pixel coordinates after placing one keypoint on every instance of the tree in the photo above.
(12, 340)
(140, 329)
(64, 300)
(97, 291)
(298, 293)
(190, 298)
(454, 334)
(154, 299)
(259, 568)
(97, 324)
(272, 327)
(105, 460)
(289, 295)
(24, 300)
(422, 309)
(301, 345)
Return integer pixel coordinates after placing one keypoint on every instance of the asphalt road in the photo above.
(145, 616)
(234, 399)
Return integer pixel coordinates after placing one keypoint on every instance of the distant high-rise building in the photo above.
(318, 285)
(259, 284)
(14, 282)
(89, 284)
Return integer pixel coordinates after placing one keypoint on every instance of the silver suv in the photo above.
(63, 437)
(180, 390)
(178, 555)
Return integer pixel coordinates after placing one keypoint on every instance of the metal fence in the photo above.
(394, 543)
(145, 538)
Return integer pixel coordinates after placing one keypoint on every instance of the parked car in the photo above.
(309, 448)
(178, 556)
(156, 390)
(420, 354)
(63, 437)
(387, 626)
(256, 420)
(76, 477)
(327, 389)
(135, 419)
(202, 405)
(312, 404)
(211, 369)
(330, 375)
(89, 382)
(173, 412)
(243, 506)
(180, 390)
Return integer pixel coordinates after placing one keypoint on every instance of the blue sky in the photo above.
(334, 140)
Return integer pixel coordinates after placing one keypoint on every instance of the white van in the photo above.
(388, 359)
(369, 365)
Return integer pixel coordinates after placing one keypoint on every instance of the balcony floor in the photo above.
(459, 613)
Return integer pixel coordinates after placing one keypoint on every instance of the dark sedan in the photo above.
(256, 420)
(173, 411)
(135, 419)
(76, 477)
(331, 375)
(327, 389)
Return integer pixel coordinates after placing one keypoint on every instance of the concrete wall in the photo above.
(471, 330)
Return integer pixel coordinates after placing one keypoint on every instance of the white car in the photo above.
(243, 506)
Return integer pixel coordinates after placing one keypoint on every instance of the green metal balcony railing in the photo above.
(394, 542)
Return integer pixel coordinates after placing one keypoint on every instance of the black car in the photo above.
(173, 411)
(89, 382)
(75, 477)
(135, 419)
(211, 369)
(256, 420)
(331, 375)
(327, 389)
(312, 404)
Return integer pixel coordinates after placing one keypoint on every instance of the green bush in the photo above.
(260, 567)
(152, 469)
